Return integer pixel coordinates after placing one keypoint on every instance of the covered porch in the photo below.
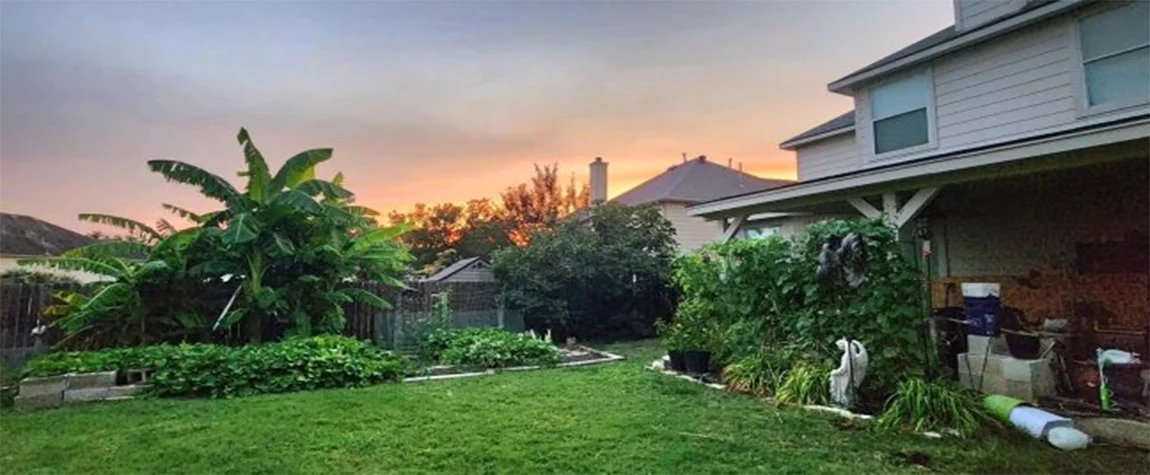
(1062, 226)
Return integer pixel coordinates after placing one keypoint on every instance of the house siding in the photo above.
(827, 157)
(1018, 84)
(971, 13)
(1011, 87)
(690, 232)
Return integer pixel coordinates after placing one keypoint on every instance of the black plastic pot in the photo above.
(678, 360)
(698, 361)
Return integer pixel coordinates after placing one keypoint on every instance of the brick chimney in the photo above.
(598, 181)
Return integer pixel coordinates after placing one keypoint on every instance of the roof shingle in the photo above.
(695, 181)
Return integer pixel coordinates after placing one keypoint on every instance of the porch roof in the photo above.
(1093, 143)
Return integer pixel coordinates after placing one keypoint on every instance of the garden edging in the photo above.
(659, 367)
(606, 358)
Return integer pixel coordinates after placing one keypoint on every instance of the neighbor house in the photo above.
(683, 184)
(1011, 147)
(25, 237)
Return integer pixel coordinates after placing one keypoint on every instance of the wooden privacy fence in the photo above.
(473, 304)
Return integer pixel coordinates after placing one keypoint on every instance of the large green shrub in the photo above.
(489, 348)
(114, 359)
(202, 370)
(603, 274)
(764, 295)
(282, 255)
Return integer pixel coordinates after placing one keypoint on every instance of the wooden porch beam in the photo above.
(914, 206)
(733, 227)
(865, 208)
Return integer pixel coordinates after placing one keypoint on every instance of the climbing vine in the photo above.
(754, 296)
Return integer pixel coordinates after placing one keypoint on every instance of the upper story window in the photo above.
(899, 113)
(1116, 56)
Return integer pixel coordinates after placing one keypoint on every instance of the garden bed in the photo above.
(573, 356)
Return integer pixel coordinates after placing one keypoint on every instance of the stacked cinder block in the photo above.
(996, 372)
(73, 388)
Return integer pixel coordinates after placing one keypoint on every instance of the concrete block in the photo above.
(39, 401)
(1015, 369)
(989, 384)
(43, 386)
(74, 396)
(1117, 431)
(92, 380)
(974, 363)
(128, 391)
(976, 345)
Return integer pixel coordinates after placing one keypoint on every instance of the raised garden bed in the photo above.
(77, 388)
(572, 356)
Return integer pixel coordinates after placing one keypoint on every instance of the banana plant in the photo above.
(111, 315)
(273, 225)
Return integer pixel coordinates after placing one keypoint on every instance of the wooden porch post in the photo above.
(732, 227)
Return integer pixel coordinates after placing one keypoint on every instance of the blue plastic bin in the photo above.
(982, 306)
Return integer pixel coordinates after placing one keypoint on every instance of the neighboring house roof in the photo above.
(453, 269)
(695, 181)
(943, 36)
(28, 236)
(840, 124)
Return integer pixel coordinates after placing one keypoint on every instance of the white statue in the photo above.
(847, 378)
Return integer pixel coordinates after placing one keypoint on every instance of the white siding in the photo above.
(1011, 87)
(971, 13)
(690, 232)
(827, 157)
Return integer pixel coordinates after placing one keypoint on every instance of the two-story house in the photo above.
(1011, 147)
(680, 185)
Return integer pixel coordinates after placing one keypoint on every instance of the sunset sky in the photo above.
(423, 102)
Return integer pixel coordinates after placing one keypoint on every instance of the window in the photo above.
(1116, 56)
(763, 232)
(899, 113)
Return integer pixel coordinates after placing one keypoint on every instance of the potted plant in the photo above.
(697, 356)
(672, 334)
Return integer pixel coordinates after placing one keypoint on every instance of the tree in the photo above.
(151, 292)
(293, 239)
(540, 203)
(434, 229)
(289, 249)
(602, 276)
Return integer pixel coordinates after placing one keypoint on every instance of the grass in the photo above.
(615, 418)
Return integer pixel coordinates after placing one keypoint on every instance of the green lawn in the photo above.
(612, 418)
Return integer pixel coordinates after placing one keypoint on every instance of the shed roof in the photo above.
(695, 181)
(453, 269)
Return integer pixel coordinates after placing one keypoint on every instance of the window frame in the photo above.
(775, 230)
(931, 121)
(1082, 95)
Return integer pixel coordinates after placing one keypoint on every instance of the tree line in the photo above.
(444, 233)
